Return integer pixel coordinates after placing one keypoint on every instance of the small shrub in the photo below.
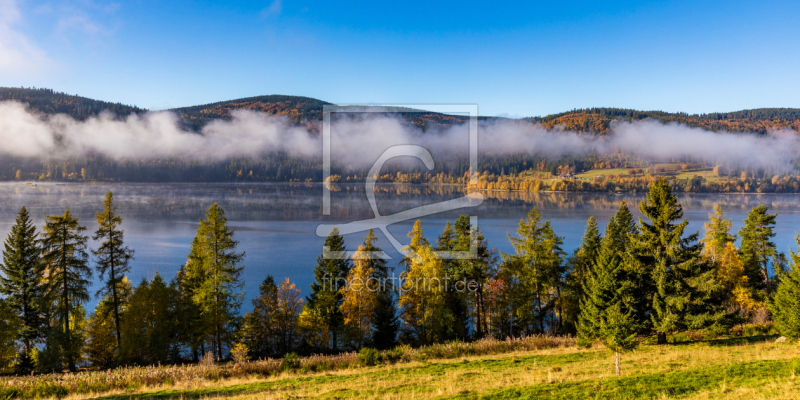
(368, 357)
(208, 359)
(395, 354)
(239, 353)
(290, 362)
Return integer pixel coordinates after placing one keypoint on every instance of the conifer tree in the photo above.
(617, 330)
(384, 317)
(22, 284)
(686, 293)
(290, 303)
(455, 301)
(535, 271)
(757, 246)
(330, 273)
(10, 326)
(64, 255)
(718, 235)
(423, 300)
(475, 271)
(101, 346)
(112, 258)
(587, 252)
(622, 228)
(192, 330)
(215, 267)
(151, 323)
(785, 304)
(605, 288)
(358, 299)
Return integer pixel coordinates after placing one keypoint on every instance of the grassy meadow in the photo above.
(739, 368)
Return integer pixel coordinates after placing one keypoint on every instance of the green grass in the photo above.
(603, 172)
(671, 384)
(712, 369)
(706, 173)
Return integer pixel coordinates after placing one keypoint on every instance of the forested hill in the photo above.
(48, 101)
(300, 110)
(308, 111)
(598, 120)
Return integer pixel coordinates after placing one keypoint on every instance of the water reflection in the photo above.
(275, 223)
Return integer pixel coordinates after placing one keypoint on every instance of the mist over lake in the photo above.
(276, 223)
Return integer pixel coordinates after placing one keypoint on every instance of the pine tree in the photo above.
(423, 300)
(538, 269)
(604, 288)
(112, 257)
(474, 272)
(22, 283)
(785, 304)
(455, 300)
(623, 228)
(290, 303)
(757, 246)
(587, 252)
(359, 301)
(329, 275)
(418, 241)
(64, 255)
(102, 343)
(192, 331)
(10, 326)
(215, 267)
(718, 234)
(384, 316)
(150, 327)
(618, 331)
(686, 292)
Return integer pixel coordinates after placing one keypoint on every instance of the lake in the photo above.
(276, 223)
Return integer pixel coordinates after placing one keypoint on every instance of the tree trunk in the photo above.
(616, 361)
(662, 338)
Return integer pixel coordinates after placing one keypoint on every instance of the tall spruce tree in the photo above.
(215, 268)
(112, 258)
(587, 252)
(22, 284)
(718, 235)
(534, 271)
(622, 228)
(757, 248)
(785, 304)
(455, 300)
(686, 293)
(475, 271)
(605, 287)
(330, 273)
(68, 273)
(384, 319)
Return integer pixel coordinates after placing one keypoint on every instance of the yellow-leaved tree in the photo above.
(422, 299)
(359, 298)
(719, 250)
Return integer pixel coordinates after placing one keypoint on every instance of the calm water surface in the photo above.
(276, 223)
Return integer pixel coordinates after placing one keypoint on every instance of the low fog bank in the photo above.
(362, 139)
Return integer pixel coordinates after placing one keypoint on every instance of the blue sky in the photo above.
(512, 59)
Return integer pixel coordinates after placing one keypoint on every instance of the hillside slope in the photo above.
(48, 101)
(598, 120)
(308, 111)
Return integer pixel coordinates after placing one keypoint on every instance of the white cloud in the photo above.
(19, 56)
(359, 141)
